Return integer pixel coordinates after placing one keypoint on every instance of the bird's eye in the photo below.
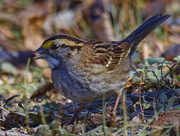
(54, 46)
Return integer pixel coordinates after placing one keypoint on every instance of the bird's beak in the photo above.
(40, 54)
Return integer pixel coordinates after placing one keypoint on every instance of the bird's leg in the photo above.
(116, 104)
(75, 115)
(114, 121)
(89, 111)
(119, 94)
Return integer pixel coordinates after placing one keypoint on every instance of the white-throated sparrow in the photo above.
(84, 70)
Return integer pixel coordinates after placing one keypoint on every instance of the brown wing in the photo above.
(110, 54)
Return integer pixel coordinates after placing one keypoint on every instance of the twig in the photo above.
(143, 119)
(3, 109)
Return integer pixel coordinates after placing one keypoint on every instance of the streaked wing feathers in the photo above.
(110, 54)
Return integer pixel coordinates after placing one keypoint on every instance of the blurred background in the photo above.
(24, 25)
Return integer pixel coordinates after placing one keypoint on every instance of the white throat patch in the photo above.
(53, 62)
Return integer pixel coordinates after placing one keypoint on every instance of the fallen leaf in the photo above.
(6, 31)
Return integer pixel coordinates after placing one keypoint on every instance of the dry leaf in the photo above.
(146, 51)
(99, 21)
(40, 93)
(173, 51)
(33, 21)
(171, 117)
(6, 31)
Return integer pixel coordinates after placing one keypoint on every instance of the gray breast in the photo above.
(81, 86)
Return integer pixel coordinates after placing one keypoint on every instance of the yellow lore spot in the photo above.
(47, 44)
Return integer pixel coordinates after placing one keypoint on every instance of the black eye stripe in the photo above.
(54, 46)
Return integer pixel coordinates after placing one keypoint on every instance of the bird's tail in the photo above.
(146, 28)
